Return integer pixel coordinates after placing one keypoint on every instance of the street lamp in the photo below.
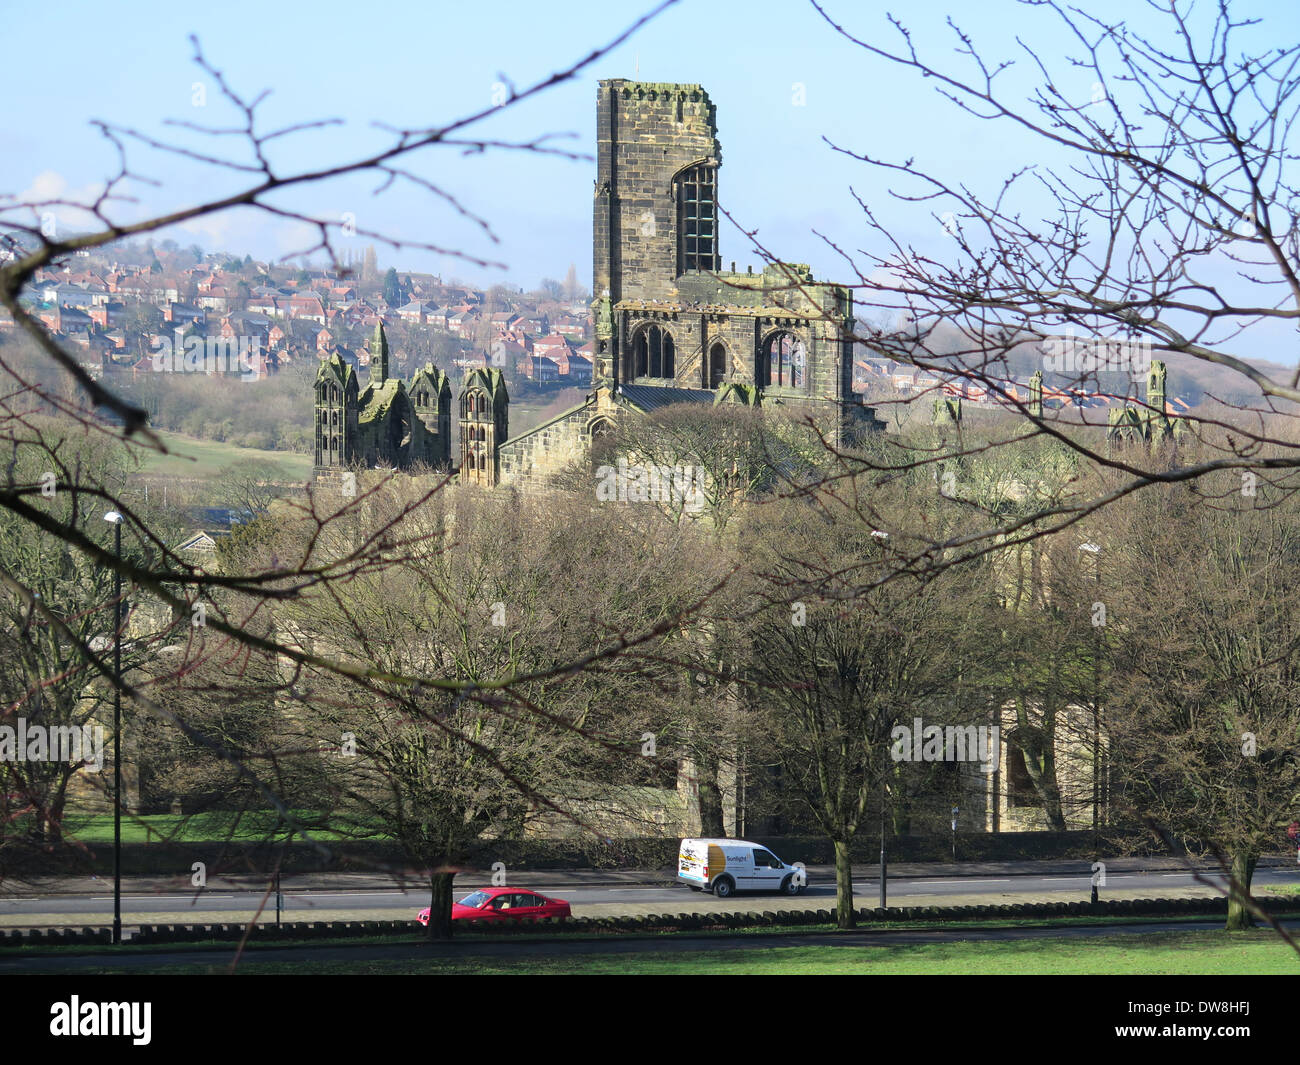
(882, 536)
(115, 519)
(884, 867)
(1095, 551)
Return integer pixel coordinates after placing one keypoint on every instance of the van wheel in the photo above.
(790, 887)
(723, 888)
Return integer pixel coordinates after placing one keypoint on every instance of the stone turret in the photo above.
(1157, 424)
(379, 355)
(602, 313)
(947, 410)
(484, 427)
(336, 413)
(430, 395)
(1036, 394)
(1151, 422)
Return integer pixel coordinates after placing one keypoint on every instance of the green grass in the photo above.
(212, 825)
(1157, 953)
(1173, 953)
(204, 458)
(40, 949)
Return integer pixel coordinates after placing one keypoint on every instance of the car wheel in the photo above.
(724, 887)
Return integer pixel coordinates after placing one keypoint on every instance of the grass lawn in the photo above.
(1155, 953)
(204, 458)
(213, 825)
(768, 932)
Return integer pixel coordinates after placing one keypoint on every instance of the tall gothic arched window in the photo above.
(717, 366)
(653, 353)
(697, 219)
(782, 362)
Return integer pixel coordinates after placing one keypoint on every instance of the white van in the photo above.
(725, 866)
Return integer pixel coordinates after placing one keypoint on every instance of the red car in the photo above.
(503, 904)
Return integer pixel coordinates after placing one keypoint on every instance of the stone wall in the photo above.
(742, 334)
(531, 460)
(328, 481)
(646, 132)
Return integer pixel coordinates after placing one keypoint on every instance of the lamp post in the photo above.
(884, 867)
(1095, 551)
(115, 519)
(884, 806)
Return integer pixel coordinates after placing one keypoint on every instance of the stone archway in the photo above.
(654, 353)
(717, 365)
(782, 361)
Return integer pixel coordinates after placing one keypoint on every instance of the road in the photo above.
(223, 904)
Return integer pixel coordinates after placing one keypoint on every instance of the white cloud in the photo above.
(239, 229)
(245, 230)
(50, 185)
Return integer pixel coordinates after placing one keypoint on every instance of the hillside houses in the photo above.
(125, 310)
(417, 312)
(119, 310)
(909, 381)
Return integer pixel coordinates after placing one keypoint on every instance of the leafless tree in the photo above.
(1164, 224)
(245, 155)
(1201, 715)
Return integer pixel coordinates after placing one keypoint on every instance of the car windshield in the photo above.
(475, 899)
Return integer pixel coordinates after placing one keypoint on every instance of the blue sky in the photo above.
(780, 77)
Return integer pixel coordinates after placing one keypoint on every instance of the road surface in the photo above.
(217, 904)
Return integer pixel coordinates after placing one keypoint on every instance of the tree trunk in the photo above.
(36, 834)
(1037, 747)
(1052, 808)
(900, 813)
(1243, 869)
(845, 917)
(55, 831)
(440, 907)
